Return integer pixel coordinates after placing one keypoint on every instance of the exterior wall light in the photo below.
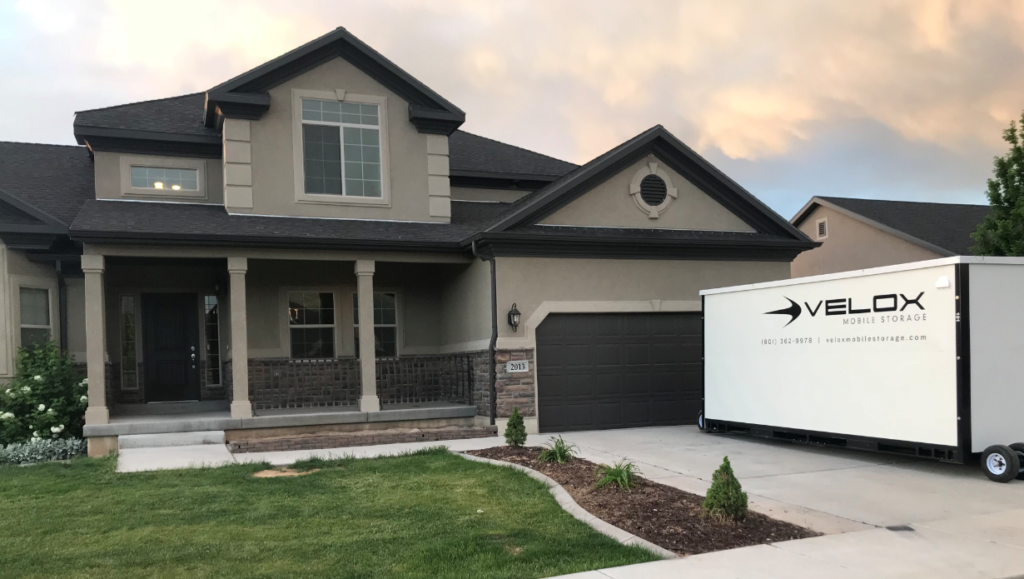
(513, 318)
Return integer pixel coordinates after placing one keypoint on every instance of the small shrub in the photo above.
(558, 450)
(42, 451)
(515, 431)
(725, 498)
(624, 473)
(45, 400)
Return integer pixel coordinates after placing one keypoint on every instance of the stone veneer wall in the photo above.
(515, 390)
(482, 382)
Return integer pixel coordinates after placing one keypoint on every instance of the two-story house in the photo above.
(314, 246)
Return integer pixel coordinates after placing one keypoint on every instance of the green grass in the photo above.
(409, 516)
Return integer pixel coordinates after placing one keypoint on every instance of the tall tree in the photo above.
(1002, 231)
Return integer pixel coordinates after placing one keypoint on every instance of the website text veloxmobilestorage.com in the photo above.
(867, 338)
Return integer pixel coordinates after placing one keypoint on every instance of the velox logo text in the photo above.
(846, 306)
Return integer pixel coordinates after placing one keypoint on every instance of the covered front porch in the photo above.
(270, 343)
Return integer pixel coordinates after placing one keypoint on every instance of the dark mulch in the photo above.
(663, 515)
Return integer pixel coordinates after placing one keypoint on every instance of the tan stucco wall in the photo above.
(466, 307)
(477, 194)
(109, 179)
(20, 272)
(852, 244)
(610, 205)
(582, 285)
(273, 167)
(6, 321)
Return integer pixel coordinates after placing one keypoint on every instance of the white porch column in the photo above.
(95, 340)
(241, 407)
(368, 402)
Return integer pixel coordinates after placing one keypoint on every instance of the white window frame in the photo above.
(220, 343)
(339, 95)
(288, 325)
(129, 161)
(398, 319)
(817, 228)
(51, 313)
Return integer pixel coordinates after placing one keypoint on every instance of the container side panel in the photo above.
(872, 356)
(997, 354)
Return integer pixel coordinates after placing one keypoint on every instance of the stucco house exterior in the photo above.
(315, 246)
(862, 233)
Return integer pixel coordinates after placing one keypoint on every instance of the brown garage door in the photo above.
(598, 371)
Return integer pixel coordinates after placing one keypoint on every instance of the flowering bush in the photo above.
(42, 450)
(46, 400)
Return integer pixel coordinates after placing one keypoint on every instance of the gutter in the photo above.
(493, 370)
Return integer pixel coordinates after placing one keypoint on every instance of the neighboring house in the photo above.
(862, 233)
(232, 253)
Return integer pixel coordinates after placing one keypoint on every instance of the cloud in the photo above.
(742, 81)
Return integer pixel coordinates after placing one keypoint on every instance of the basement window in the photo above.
(821, 227)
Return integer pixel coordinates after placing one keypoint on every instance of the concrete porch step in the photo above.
(131, 441)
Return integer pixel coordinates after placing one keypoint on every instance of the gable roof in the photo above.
(47, 182)
(669, 150)
(944, 228)
(245, 96)
(475, 156)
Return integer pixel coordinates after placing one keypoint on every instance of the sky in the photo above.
(878, 99)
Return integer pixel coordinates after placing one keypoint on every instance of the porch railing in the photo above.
(440, 378)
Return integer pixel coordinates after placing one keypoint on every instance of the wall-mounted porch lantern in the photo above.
(513, 318)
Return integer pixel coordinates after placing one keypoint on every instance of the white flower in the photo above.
(84, 399)
(11, 393)
(42, 407)
(85, 382)
(26, 390)
(6, 416)
(57, 429)
(50, 412)
(37, 378)
(35, 434)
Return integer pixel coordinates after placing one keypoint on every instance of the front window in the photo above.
(341, 148)
(311, 324)
(35, 316)
(385, 323)
(162, 178)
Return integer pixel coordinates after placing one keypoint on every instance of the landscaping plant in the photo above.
(558, 450)
(46, 399)
(43, 450)
(725, 498)
(624, 473)
(515, 431)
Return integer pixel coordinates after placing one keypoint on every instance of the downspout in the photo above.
(62, 306)
(494, 335)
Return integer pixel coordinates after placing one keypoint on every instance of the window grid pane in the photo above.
(35, 307)
(385, 322)
(323, 156)
(129, 351)
(211, 309)
(162, 178)
(311, 321)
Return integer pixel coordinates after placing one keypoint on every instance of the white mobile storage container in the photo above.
(924, 358)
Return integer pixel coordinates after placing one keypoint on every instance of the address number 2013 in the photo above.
(518, 366)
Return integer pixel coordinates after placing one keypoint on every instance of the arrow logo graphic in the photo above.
(793, 310)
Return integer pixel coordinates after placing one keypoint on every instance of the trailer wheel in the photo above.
(700, 421)
(1000, 463)
(1019, 448)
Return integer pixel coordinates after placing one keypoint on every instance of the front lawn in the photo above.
(410, 516)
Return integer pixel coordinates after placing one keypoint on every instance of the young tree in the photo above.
(515, 431)
(1002, 231)
(725, 498)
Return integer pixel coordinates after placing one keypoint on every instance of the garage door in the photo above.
(597, 371)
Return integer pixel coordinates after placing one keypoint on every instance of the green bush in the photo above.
(515, 431)
(725, 498)
(558, 450)
(624, 473)
(46, 399)
(42, 450)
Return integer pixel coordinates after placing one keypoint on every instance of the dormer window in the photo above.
(341, 148)
(162, 178)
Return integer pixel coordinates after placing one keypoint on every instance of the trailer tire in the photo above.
(700, 421)
(1019, 447)
(1000, 463)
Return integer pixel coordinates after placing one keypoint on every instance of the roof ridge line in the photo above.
(140, 102)
(518, 147)
(41, 144)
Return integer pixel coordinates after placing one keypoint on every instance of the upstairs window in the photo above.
(163, 178)
(341, 150)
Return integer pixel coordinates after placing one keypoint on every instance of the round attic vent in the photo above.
(653, 190)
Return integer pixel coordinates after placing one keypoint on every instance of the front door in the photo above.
(170, 343)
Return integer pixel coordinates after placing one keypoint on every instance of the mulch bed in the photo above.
(663, 515)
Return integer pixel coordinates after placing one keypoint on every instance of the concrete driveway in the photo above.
(884, 516)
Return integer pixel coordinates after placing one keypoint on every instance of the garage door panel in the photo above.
(619, 370)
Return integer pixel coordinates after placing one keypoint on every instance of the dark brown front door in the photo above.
(598, 371)
(170, 343)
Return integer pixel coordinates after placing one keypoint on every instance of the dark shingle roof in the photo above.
(469, 153)
(55, 179)
(212, 224)
(178, 115)
(946, 225)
